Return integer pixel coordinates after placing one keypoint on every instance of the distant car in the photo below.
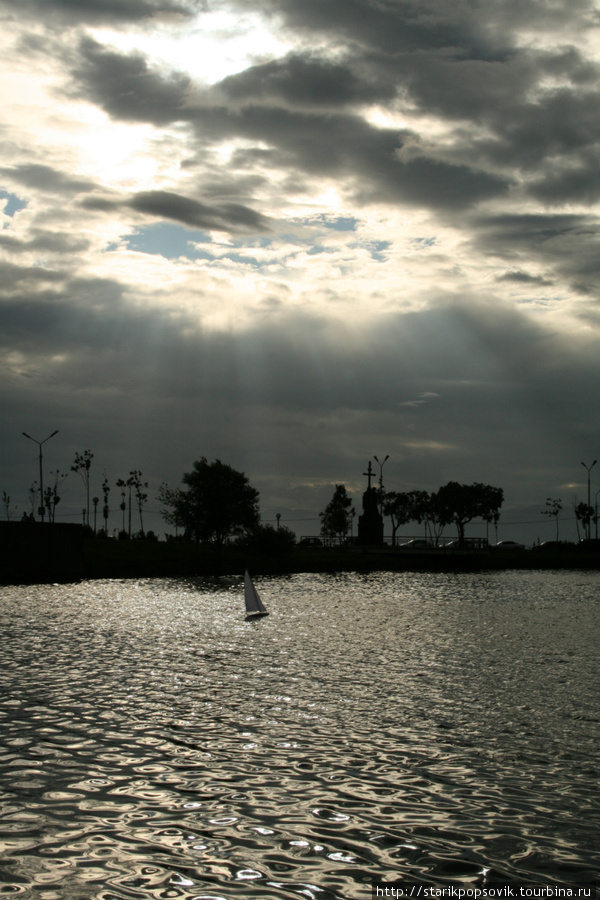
(551, 545)
(509, 545)
(416, 544)
(310, 542)
(470, 544)
(588, 544)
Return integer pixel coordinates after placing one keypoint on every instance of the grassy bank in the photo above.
(45, 554)
(128, 559)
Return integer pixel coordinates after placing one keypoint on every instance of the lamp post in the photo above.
(381, 465)
(39, 443)
(589, 469)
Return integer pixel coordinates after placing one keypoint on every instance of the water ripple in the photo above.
(425, 727)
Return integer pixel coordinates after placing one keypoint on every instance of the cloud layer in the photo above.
(377, 235)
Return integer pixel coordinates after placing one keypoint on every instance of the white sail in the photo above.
(254, 604)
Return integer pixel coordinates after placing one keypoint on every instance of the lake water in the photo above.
(432, 728)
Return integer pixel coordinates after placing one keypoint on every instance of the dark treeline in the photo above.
(215, 514)
(216, 504)
(44, 501)
(453, 503)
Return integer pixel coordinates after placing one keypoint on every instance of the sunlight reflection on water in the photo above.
(424, 727)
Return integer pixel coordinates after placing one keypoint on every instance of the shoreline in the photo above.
(61, 553)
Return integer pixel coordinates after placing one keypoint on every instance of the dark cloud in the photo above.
(347, 147)
(565, 244)
(390, 26)
(341, 145)
(44, 241)
(45, 178)
(305, 81)
(126, 87)
(74, 12)
(498, 377)
(572, 181)
(13, 277)
(512, 108)
(535, 114)
(232, 217)
(459, 62)
(297, 362)
(83, 358)
(226, 217)
(461, 88)
(559, 123)
(484, 30)
(213, 183)
(523, 278)
(88, 315)
(436, 183)
(539, 228)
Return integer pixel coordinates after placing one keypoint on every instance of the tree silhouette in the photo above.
(584, 514)
(336, 519)
(553, 508)
(48, 502)
(421, 507)
(82, 465)
(403, 507)
(122, 505)
(436, 514)
(9, 509)
(51, 495)
(169, 497)
(266, 539)
(105, 506)
(218, 502)
(459, 503)
(136, 482)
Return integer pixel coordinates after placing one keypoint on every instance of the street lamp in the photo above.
(381, 465)
(39, 443)
(589, 469)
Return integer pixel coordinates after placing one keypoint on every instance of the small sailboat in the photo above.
(254, 605)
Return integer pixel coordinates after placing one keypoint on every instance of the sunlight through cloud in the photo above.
(213, 46)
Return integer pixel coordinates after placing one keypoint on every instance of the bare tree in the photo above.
(140, 496)
(553, 508)
(105, 506)
(122, 483)
(134, 482)
(9, 509)
(51, 496)
(122, 504)
(82, 465)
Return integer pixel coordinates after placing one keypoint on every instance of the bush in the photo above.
(266, 539)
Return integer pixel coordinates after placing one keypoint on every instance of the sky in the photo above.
(295, 234)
